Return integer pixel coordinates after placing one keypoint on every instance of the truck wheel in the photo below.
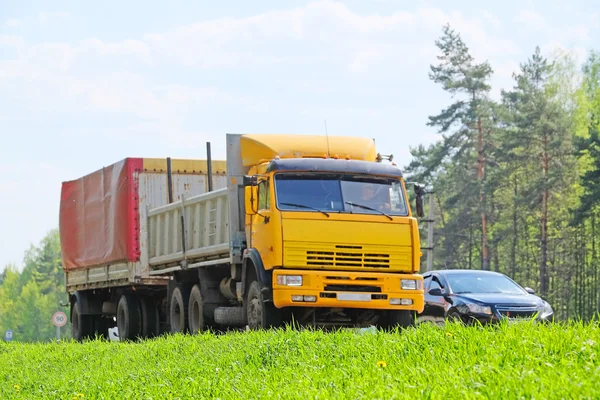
(82, 326)
(179, 309)
(150, 318)
(129, 317)
(196, 310)
(260, 314)
(401, 318)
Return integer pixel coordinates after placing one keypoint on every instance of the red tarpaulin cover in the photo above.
(99, 220)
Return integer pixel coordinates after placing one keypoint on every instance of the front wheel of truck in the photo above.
(261, 314)
(401, 319)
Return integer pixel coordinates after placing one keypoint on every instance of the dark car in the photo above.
(469, 295)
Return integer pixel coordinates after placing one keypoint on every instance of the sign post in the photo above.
(59, 319)
(8, 335)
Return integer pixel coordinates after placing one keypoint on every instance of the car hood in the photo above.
(503, 299)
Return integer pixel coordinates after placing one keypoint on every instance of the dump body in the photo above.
(104, 217)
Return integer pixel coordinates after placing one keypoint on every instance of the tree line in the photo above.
(29, 297)
(515, 180)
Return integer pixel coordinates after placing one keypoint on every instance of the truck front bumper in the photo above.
(366, 290)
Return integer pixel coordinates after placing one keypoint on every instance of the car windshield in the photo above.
(482, 283)
(310, 192)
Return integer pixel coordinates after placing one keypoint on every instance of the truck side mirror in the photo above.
(250, 198)
(250, 180)
(419, 192)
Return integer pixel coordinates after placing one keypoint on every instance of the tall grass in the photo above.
(454, 362)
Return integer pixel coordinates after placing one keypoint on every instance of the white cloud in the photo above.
(533, 20)
(47, 16)
(12, 23)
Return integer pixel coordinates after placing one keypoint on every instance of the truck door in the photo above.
(263, 227)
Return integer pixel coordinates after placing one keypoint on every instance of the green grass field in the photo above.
(454, 362)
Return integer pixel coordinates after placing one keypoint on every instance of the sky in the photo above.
(86, 84)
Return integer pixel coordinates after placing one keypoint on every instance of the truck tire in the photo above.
(401, 319)
(196, 310)
(129, 317)
(82, 326)
(260, 314)
(150, 318)
(179, 309)
(230, 316)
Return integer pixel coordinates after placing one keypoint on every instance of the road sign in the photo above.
(8, 335)
(59, 319)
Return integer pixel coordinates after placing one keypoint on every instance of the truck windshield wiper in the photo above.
(368, 208)
(304, 206)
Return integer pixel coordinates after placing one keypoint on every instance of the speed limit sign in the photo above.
(59, 319)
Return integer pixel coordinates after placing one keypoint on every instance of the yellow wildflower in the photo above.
(381, 364)
(448, 334)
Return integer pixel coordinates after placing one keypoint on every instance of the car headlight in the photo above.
(546, 310)
(289, 280)
(477, 309)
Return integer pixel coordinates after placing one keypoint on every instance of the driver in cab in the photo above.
(371, 198)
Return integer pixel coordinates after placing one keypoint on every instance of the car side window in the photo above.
(434, 284)
(426, 283)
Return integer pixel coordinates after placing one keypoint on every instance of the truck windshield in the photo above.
(362, 194)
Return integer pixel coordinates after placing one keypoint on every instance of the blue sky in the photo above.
(84, 84)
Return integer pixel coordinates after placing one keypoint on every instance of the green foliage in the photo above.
(29, 298)
(508, 361)
(533, 182)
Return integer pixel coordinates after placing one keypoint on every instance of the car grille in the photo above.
(517, 312)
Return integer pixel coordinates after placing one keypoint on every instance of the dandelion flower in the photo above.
(448, 334)
(381, 364)
(17, 387)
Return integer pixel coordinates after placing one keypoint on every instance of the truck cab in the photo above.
(330, 240)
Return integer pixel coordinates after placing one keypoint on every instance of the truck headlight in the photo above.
(477, 309)
(289, 280)
(408, 284)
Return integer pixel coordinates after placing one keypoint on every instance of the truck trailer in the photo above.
(306, 229)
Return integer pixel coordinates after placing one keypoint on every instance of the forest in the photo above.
(514, 182)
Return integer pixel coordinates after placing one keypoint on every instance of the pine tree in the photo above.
(541, 142)
(466, 129)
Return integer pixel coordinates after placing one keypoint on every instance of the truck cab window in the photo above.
(264, 201)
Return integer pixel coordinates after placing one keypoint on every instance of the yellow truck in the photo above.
(290, 228)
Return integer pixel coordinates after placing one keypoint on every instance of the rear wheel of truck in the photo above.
(179, 309)
(129, 317)
(401, 319)
(196, 310)
(82, 325)
(150, 317)
(261, 314)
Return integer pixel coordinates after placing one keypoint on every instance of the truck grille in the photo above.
(347, 256)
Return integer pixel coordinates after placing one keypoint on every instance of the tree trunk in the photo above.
(480, 177)
(544, 236)
(515, 240)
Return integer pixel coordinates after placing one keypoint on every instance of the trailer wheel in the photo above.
(260, 314)
(129, 317)
(150, 317)
(82, 326)
(401, 318)
(196, 311)
(179, 309)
